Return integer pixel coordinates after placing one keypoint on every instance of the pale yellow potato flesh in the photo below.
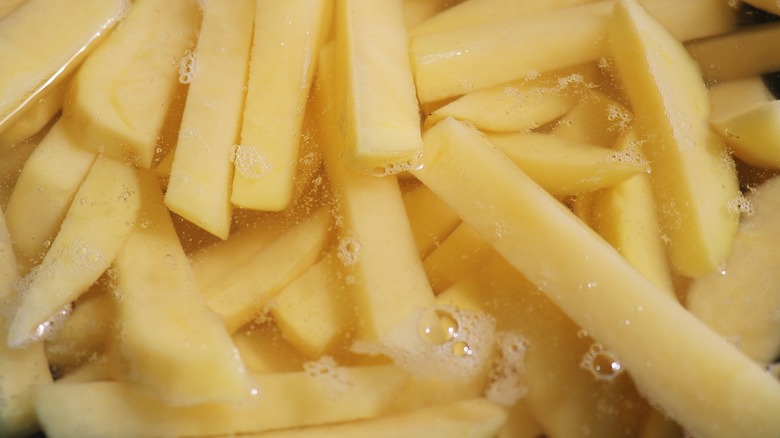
(749, 283)
(693, 175)
(46, 186)
(264, 350)
(459, 61)
(241, 295)
(369, 211)
(462, 419)
(430, 218)
(594, 285)
(310, 311)
(287, 38)
(284, 400)
(596, 119)
(379, 118)
(35, 116)
(11, 160)
(462, 253)
(56, 47)
(117, 102)
(7, 6)
(99, 220)
(562, 395)
(625, 216)
(476, 12)
(201, 172)
(520, 105)
(171, 345)
(28, 365)
(746, 52)
(566, 167)
(747, 116)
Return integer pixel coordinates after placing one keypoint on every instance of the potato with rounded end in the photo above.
(749, 283)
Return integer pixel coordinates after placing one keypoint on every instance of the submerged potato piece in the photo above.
(461, 419)
(99, 220)
(625, 216)
(519, 105)
(430, 218)
(747, 116)
(21, 368)
(749, 51)
(459, 61)
(693, 176)
(34, 61)
(310, 311)
(476, 12)
(462, 253)
(34, 117)
(596, 119)
(241, 294)
(264, 350)
(283, 400)
(565, 167)
(379, 118)
(201, 171)
(171, 345)
(598, 289)
(45, 188)
(118, 100)
(375, 243)
(287, 37)
(742, 302)
(565, 397)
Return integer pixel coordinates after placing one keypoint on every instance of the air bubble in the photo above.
(326, 371)
(348, 251)
(187, 67)
(741, 205)
(461, 349)
(601, 363)
(438, 326)
(250, 162)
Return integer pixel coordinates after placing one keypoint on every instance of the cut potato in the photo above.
(463, 419)
(201, 171)
(565, 397)
(565, 167)
(430, 218)
(375, 243)
(379, 118)
(462, 253)
(283, 400)
(693, 176)
(35, 116)
(596, 119)
(98, 222)
(27, 365)
(625, 216)
(519, 105)
(264, 350)
(310, 310)
(56, 48)
(170, 344)
(747, 52)
(117, 102)
(749, 283)
(476, 12)
(459, 61)
(747, 116)
(241, 295)
(287, 38)
(45, 189)
(594, 285)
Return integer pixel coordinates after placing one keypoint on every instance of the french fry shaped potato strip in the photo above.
(389, 218)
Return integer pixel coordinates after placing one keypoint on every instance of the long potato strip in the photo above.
(672, 356)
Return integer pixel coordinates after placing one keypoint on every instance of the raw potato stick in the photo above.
(201, 172)
(117, 102)
(287, 38)
(673, 358)
(98, 222)
(56, 47)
